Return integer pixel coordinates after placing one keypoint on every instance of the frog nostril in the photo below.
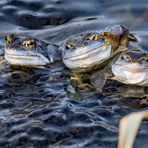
(10, 39)
(85, 43)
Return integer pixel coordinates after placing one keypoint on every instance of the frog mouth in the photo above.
(25, 59)
(81, 56)
(85, 52)
(20, 56)
(90, 58)
(131, 68)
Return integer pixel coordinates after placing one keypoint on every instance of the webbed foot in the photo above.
(76, 79)
(85, 87)
(98, 80)
(80, 82)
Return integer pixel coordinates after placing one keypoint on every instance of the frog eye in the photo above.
(92, 36)
(29, 43)
(10, 39)
(126, 58)
(131, 37)
(70, 46)
(144, 59)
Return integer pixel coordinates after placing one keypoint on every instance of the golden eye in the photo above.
(29, 43)
(126, 57)
(70, 46)
(92, 36)
(144, 58)
(10, 39)
(67, 46)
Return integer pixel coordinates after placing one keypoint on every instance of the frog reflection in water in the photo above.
(128, 96)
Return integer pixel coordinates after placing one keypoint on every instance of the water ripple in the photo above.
(39, 107)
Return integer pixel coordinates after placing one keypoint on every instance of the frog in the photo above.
(130, 68)
(84, 53)
(23, 50)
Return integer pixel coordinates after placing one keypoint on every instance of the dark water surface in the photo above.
(39, 107)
